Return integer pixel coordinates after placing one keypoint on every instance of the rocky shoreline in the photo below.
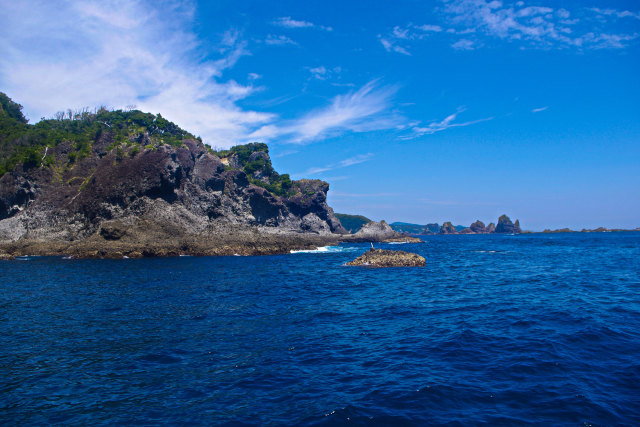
(149, 239)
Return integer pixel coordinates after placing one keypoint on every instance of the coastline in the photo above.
(244, 242)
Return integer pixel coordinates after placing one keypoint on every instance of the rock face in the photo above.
(491, 228)
(478, 227)
(187, 188)
(386, 258)
(448, 228)
(506, 226)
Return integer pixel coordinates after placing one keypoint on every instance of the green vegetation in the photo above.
(127, 132)
(24, 143)
(405, 227)
(352, 223)
(272, 181)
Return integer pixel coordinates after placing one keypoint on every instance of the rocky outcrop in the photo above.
(381, 232)
(506, 226)
(448, 228)
(491, 228)
(386, 258)
(376, 231)
(478, 227)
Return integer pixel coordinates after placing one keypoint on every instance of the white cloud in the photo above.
(59, 55)
(323, 73)
(538, 110)
(392, 41)
(438, 126)
(390, 46)
(536, 26)
(360, 158)
(288, 22)
(364, 110)
(428, 27)
(616, 13)
(279, 40)
(463, 44)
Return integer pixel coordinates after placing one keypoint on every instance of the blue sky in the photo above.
(418, 111)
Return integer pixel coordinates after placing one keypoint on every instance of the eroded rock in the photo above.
(387, 258)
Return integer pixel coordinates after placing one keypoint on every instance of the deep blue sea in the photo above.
(497, 330)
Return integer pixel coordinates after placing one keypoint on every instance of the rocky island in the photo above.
(387, 258)
(505, 226)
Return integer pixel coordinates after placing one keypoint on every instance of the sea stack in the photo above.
(448, 228)
(505, 226)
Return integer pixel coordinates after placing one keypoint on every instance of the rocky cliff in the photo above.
(133, 177)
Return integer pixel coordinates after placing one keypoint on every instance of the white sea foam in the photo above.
(322, 249)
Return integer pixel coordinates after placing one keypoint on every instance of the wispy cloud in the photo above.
(288, 22)
(360, 158)
(60, 55)
(397, 39)
(279, 40)
(350, 195)
(537, 110)
(323, 73)
(367, 109)
(438, 126)
(616, 13)
(536, 26)
(467, 23)
(454, 203)
(463, 44)
(390, 45)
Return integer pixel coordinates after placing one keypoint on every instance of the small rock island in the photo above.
(386, 258)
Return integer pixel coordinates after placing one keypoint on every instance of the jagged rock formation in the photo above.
(187, 187)
(491, 228)
(386, 258)
(506, 226)
(448, 228)
(131, 179)
(478, 227)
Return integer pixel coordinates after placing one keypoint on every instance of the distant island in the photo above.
(505, 226)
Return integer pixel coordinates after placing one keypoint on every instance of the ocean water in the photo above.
(498, 330)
